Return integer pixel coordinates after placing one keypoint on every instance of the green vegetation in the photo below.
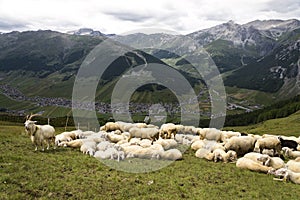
(284, 126)
(67, 173)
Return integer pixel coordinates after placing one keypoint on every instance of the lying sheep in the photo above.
(204, 153)
(198, 145)
(152, 152)
(246, 163)
(257, 157)
(88, 147)
(210, 134)
(145, 143)
(287, 175)
(171, 154)
(290, 153)
(241, 145)
(110, 153)
(268, 143)
(110, 126)
(221, 155)
(288, 143)
(293, 166)
(274, 162)
(65, 137)
(116, 138)
(144, 133)
(166, 143)
(225, 135)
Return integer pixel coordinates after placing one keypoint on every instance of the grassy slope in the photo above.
(282, 126)
(66, 173)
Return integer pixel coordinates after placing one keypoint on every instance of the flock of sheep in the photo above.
(121, 140)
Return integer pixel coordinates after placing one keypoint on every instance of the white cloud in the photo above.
(118, 16)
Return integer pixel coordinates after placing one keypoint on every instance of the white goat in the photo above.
(40, 134)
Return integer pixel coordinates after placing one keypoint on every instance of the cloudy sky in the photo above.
(119, 16)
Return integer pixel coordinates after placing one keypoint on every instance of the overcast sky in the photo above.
(119, 16)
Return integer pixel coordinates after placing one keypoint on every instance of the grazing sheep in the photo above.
(169, 130)
(268, 143)
(293, 166)
(171, 154)
(144, 133)
(290, 153)
(241, 145)
(40, 134)
(288, 143)
(246, 163)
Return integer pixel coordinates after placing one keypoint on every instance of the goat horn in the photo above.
(33, 115)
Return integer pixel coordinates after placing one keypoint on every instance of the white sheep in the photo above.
(220, 154)
(198, 145)
(169, 130)
(225, 135)
(241, 145)
(171, 154)
(204, 153)
(65, 136)
(40, 134)
(152, 152)
(274, 162)
(290, 153)
(144, 133)
(166, 143)
(246, 163)
(110, 126)
(287, 175)
(257, 157)
(210, 134)
(88, 147)
(293, 166)
(145, 143)
(116, 138)
(102, 146)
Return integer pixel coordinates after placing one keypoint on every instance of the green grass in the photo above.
(67, 173)
(283, 126)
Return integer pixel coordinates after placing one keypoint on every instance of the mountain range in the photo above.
(258, 56)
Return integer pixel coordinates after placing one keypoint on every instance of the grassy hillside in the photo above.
(67, 173)
(284, 126)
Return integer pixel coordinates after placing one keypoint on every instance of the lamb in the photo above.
(293, 166)
(268, 143)
(290, 153)
(288, 143)
(246, 163)
(220, 154)
(171, 154)
(40, 133)
(144, 133)
(241, 145)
